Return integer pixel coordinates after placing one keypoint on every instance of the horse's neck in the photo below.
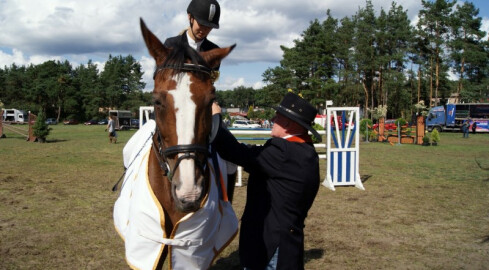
(162, 189)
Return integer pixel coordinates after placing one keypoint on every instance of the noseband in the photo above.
(189, 151)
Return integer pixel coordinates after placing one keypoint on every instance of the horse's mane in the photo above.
(179, 53)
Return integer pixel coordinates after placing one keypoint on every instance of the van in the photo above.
(16, 116)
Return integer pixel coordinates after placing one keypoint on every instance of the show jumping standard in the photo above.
(173, 199)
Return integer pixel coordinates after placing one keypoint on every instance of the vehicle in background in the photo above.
(14, 115)
(103, 122)
(452, 116)
(244, 124)
(70, 122)
(51, 121)
(135, 123)
(122, 119)
(91, 122)
(389, 124)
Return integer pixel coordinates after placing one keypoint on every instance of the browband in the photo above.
(185, 67)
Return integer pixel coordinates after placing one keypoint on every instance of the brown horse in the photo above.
(183, 94)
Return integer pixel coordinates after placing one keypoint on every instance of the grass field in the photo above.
(423, 207)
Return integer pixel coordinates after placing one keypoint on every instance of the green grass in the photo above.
(423, 207)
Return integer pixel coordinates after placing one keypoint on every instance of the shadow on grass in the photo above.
(55, 141)
(313, 254)
(230, 262)
(485, 240)
(364, 178)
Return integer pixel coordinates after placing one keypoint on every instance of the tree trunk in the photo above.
(59, 113)
(419, 83)
(366, 98)
(431, 81)
(460, 83)
(437, 79)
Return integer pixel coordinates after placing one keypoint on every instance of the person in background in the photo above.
(283, 182)
(111, 129)
(465, 127)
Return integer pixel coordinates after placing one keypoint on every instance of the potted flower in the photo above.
(435, 137)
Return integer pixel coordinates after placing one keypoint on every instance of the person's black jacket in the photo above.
(283, 182)
(206, 45)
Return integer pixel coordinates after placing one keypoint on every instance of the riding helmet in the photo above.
(206, 12)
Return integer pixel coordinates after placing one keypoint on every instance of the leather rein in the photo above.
(189, 151)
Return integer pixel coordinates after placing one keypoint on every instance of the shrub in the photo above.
(363, 127)
(435, 136)
(40, 128)
(426, 140)
(401, 122)
(316, 126)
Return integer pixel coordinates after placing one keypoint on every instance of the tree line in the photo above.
(364, 60)
(371, 61)
(82, 93)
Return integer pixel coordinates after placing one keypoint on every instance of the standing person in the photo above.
(283, 182)
(203, 16)
(474, 127)
(111, 129)
(465, 128)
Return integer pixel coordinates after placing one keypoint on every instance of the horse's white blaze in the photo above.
(185, 121)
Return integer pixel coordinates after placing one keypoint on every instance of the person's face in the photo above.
(280, 123)
(199, 31)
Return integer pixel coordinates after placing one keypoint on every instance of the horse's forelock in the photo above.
(179, 54)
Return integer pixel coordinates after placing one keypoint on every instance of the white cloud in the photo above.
(15, 57)
(148, 66)
(485, 27)
(39, 30)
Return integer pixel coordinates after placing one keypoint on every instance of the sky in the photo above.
(35, 31)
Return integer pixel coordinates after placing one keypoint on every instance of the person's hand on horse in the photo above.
(216, 109)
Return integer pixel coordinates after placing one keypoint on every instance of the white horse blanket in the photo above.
(197, 239)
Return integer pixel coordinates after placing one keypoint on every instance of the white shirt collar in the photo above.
(192, 43)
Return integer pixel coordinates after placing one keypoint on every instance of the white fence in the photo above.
(343, 148)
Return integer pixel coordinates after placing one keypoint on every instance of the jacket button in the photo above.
(291, 230)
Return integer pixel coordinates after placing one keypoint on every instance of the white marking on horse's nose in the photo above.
(185, 125)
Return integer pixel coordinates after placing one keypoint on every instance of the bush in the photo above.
(426, 140)
(401, 122)
(363, 128)
(316, 126)
(40, 128)
(435, 136)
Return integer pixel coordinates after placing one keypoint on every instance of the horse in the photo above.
(178, 169)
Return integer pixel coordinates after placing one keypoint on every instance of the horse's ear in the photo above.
(154, 45)
(213, 57)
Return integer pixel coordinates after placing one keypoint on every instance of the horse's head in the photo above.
(183, 95)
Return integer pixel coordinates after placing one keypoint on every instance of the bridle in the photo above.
(214, 74)
(189, 151)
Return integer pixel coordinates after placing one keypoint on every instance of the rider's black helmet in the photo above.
(206, 12)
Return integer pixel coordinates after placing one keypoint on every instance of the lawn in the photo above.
(423, 207)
